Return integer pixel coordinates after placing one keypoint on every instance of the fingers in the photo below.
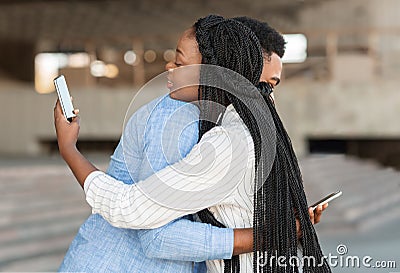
(76, 119)
(311, 213)
(315, 217)
(57, 110)
(317, 214)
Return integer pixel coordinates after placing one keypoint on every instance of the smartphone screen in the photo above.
(64, 97)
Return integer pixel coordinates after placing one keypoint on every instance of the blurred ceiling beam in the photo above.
(59, 21)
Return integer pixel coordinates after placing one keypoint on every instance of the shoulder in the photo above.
(227, 140)
(140, 116)
(168, 108)
(172, 114)
(219, 138)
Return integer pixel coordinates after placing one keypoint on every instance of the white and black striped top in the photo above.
(217, 173)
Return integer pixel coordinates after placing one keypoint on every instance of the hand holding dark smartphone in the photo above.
(326, 199)
(64, 97)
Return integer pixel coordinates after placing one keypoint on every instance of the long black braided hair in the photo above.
(230, 44)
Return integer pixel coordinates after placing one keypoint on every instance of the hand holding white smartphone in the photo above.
(64, 97)
(326, 199)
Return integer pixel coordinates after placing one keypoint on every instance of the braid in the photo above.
(216, 38)
(284, 189)
(279, 191)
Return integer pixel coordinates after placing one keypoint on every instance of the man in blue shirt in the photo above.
(99, 247)
(159, 134)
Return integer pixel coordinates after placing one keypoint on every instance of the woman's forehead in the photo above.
(190, 33)
(187, 44)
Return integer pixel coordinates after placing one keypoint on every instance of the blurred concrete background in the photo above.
(340, 104)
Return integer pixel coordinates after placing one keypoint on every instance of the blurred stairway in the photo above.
(42, 206)
(41, 210)
(371, 193)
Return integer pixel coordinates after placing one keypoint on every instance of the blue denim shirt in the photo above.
(158, 134)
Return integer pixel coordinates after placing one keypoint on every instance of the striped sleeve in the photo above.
(205, 177)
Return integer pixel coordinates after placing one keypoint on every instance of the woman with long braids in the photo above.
(258, 156)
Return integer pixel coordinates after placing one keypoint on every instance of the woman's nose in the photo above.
(169, 65)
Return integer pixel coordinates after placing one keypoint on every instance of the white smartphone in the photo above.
(64, 97)
(326, 199)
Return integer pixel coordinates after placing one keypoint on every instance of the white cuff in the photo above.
(89, 180)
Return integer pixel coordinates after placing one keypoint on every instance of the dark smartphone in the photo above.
(326, 199)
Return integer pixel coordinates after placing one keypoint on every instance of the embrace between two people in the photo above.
(264, 213)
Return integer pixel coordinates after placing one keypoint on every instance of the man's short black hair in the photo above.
(270, 39)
